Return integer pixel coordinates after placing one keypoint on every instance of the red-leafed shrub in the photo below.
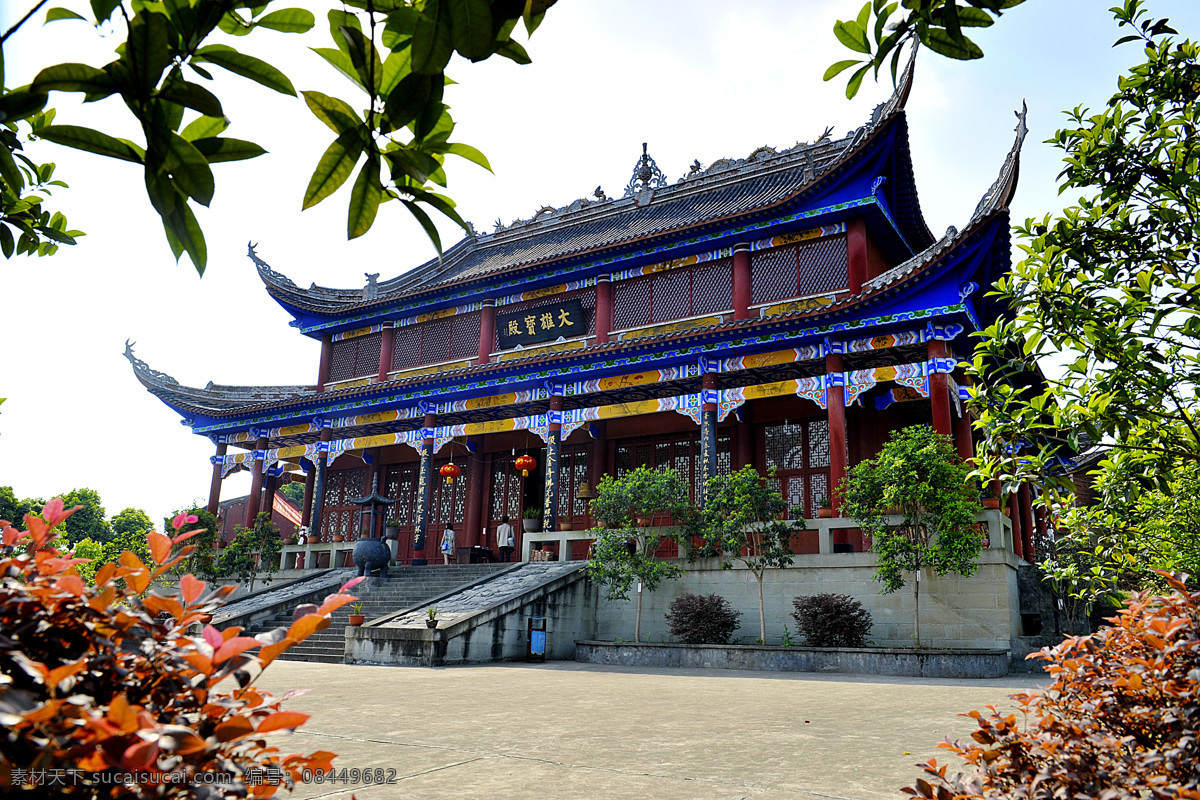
(1121, 720)
(98, 681)
(702, 619)
(831, 620)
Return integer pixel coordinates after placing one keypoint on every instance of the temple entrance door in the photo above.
(506, 497)
(401, 484)
(447, 505)
(799, 452)
(339, 515)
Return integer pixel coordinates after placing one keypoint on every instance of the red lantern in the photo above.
(525, 463)
(450, 472)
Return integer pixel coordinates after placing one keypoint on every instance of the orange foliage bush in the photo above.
(1121, 720)
(104, 693)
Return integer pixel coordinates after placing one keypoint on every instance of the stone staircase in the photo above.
(404, 587)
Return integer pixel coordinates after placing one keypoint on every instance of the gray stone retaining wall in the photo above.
(980, 612)
(869, 661)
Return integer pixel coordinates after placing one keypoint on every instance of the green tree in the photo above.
(254, 551)
(294, 492)
(13, 509)
(131, 521)
(95, 551)
(627, 539)
(742, 521)
(89, 521)
(203, 561)
(917, 476)
(394, 52)
(1108, 288)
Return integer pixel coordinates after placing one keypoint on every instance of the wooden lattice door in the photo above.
(338, 514)
(799, 452)
(401, 484)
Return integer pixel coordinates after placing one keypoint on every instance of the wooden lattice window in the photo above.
(799, 270)
(338, 514)
(436, 341)
(674, 294)
(799, 452)
(680, 452)
(355, 358)
(507, 485)
(448, 501)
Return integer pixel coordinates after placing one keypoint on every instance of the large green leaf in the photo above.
(471, 28)
(465, 151)
(432, 45)
(20, 104)
(10, 172)
(288, 20)
(189, 169)
(430, 229)
(395, 67)
(92, 141)
(939, 41)
(333, 169)
(836, 69)
(365, 198)
(335, 113)
(193, 96)
(514, 51)
(72, 78)
(227, 149)
(408, 99)
(363, 56)
(341, 62)
(250, 67)
(62, 13)
(853, 36)
(148, 48)
(184, 235)
(204, 127)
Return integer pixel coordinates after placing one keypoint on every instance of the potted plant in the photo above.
(391, 529)
(531, 521)
(356, 615)
(337, 537)
(990, 500)
(565, 524)
(431, 613)
(824, 508)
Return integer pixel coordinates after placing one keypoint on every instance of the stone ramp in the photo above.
(483, 622)
(403, 588)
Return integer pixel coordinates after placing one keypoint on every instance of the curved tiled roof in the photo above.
(726, 190)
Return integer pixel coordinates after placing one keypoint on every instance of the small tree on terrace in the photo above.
(625, 545)
(252, 552)
(741, 522)
(918, 474)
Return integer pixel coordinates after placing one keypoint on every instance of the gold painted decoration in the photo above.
(798, 306)
(670, 327)
(550, 348)
(404, 374)
(492, 401)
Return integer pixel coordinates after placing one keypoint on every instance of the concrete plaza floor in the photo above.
(567, 730)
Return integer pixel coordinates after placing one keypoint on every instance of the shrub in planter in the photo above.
(1121, 720)
(702, 619)
(831, 620)
(107, 679)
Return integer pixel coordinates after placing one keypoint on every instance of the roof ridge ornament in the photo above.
(645, 179)
(143, 369)
(265, 272)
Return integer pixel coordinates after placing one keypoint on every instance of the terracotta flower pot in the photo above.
(337, 537)
(991, 502)
(531, 525)
(825, 513)
(564, 526)
(357, 619)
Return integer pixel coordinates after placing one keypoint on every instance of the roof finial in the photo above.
(646, 175)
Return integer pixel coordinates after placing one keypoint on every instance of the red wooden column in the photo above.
(741, 281)
(962, 434)
(856, 254)
(1026, 506)
(306, 507)
(473, 535)
(326, 361)
(386, 348)
(1014, 516)
(487, 331)
(268, 499)
(745, 439)
(256, 481)
(939, 391)
(214, 488)
(604, 308)
(836, 410)
(318, 501)
(598, 453)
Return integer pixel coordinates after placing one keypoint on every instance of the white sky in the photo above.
(699, 79)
